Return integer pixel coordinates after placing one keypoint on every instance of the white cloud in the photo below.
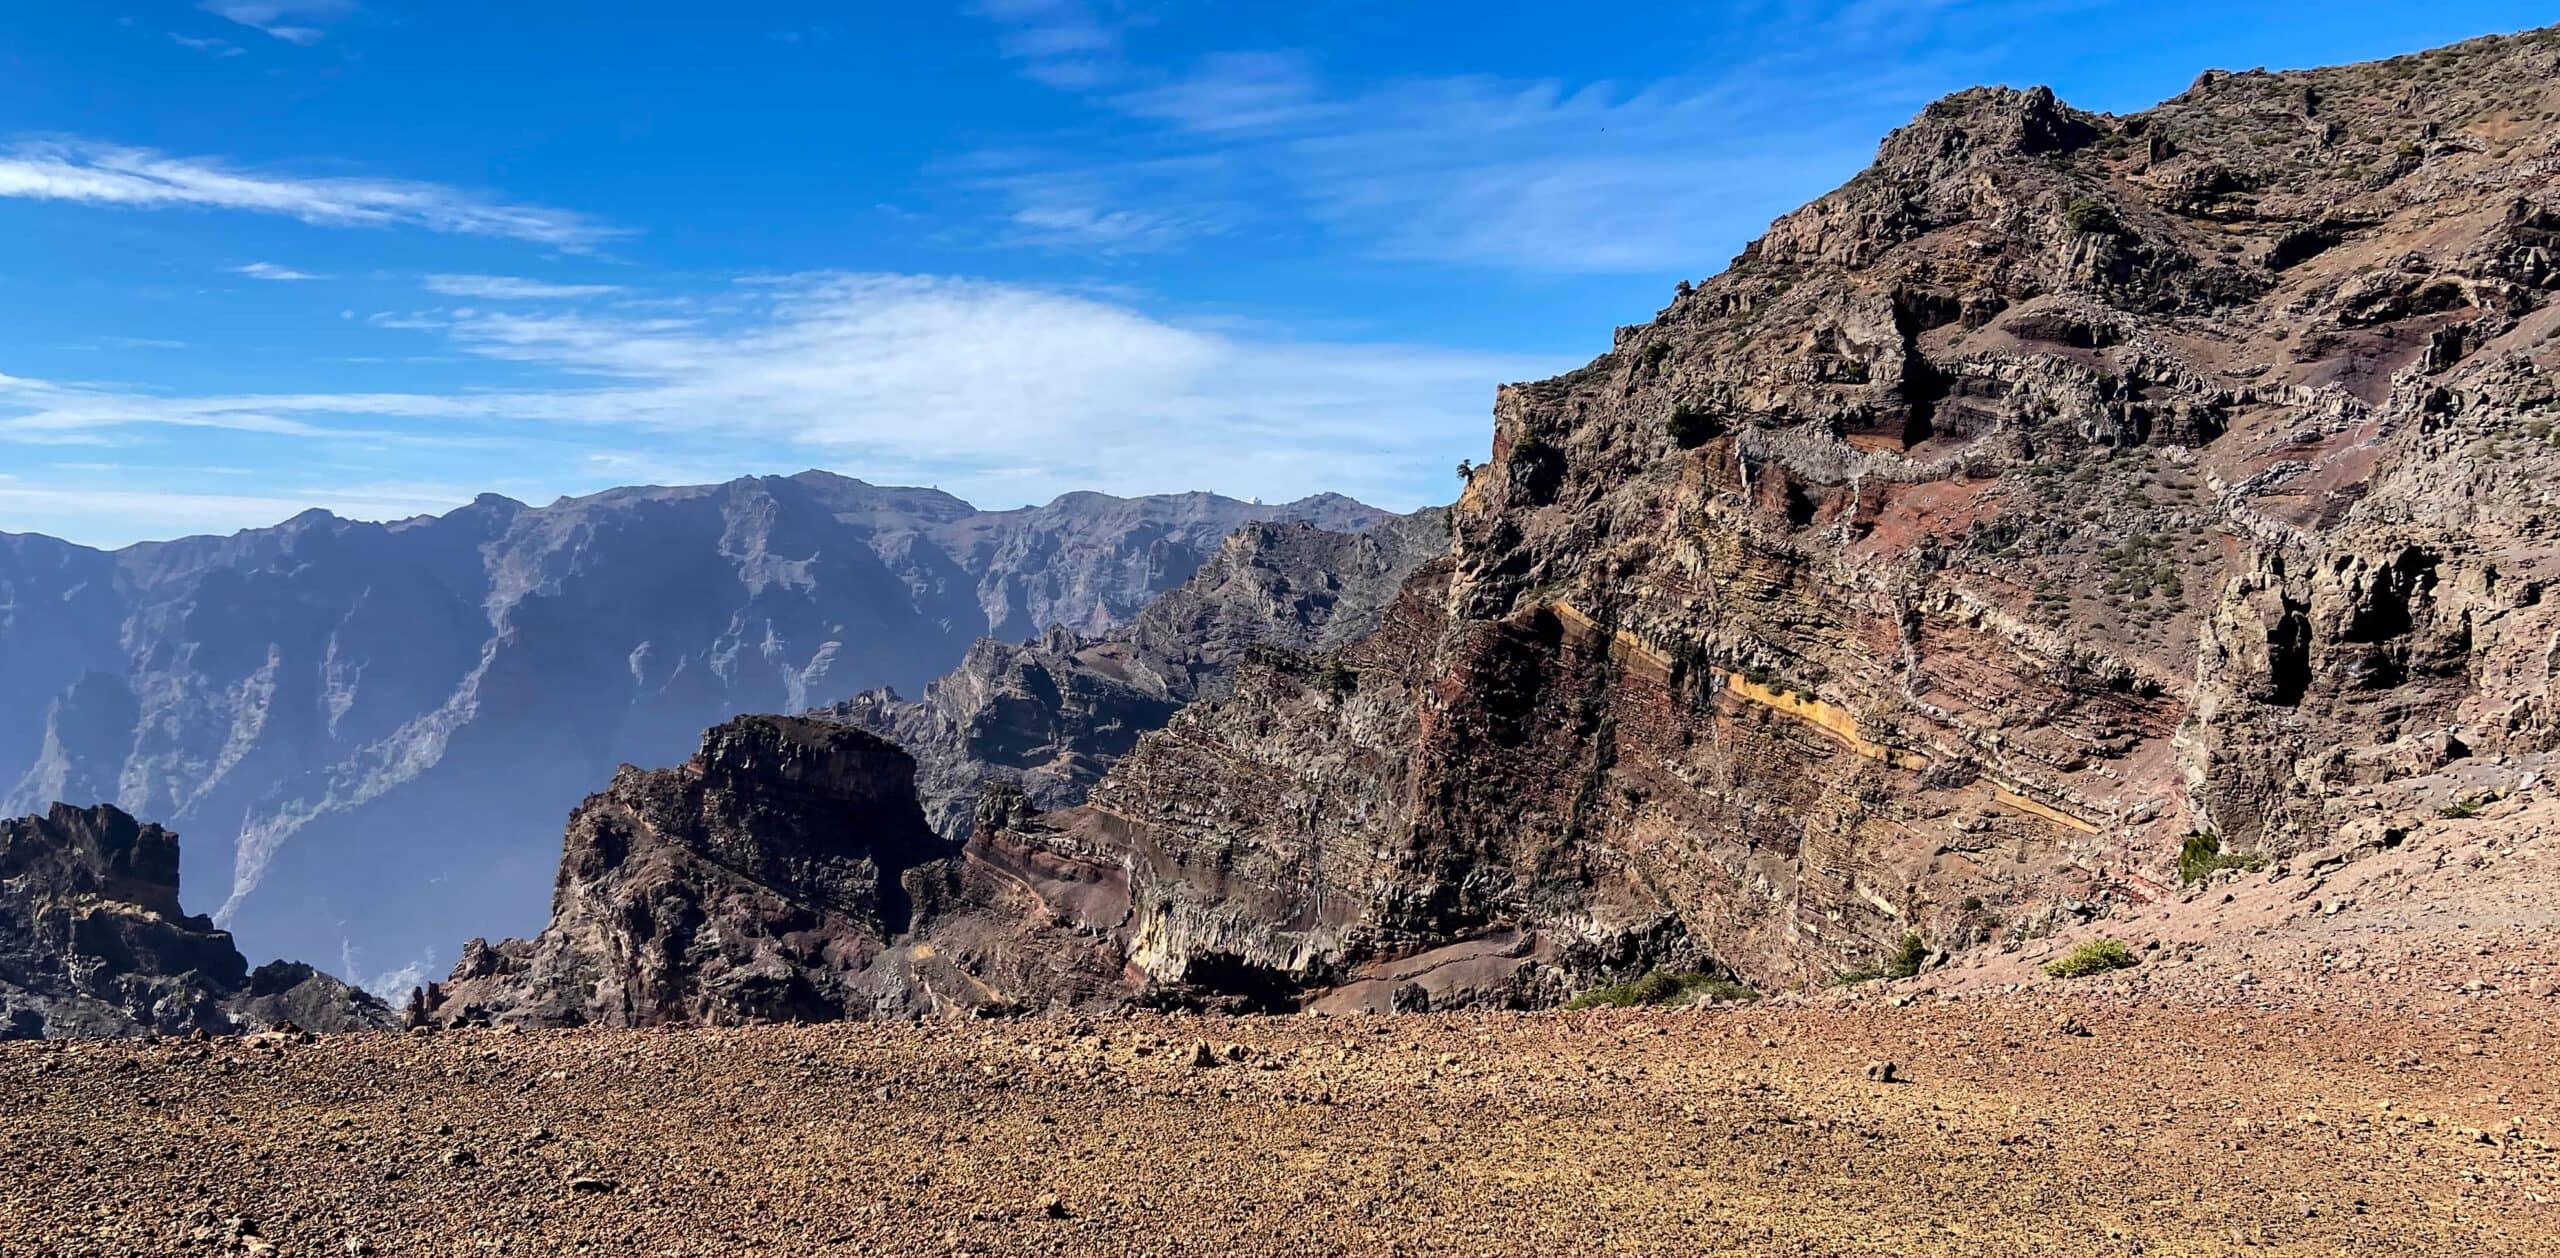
(510, 288)
(271, 271)
(1061, 43)
(1074, 224)
(999, 390)
(293, 21)
(105, 174)
(216, 48)
(1241, 92)
(112, 516)
(1534, 175)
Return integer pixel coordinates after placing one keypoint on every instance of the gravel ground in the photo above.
(2166, 1128)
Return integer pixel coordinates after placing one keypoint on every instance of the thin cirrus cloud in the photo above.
(1530, 175)
(215, 48)
(512, 288)
(274, 272)
(115, 175)
(997, 391)
(1061, 43)
(1093, 228)
(293, 21)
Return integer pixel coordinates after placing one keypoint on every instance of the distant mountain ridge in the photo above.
(372, 730)
(1051, 714)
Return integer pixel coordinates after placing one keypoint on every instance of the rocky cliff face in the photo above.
(373, 730)
(784, 873)
(2062, 487)
(1051, 714)
(93, 942)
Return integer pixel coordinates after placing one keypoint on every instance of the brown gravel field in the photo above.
(2015, 1124)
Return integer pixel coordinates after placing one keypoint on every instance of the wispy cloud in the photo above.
(1062, 43)
(1079, 225)
(216, 48)
(293, 21)
(1007, 392)
(511, 288)
(272, 271)
(106, 174)
(1521, 174)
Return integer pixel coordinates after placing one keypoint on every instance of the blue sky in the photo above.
(381, 255)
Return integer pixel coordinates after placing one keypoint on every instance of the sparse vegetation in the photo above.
(2141, 568)
(1339, 678)
(2460, 809)
(1536, 468)
(1907, 958)
(1691, 427)
(2202, 856)
(2091, 216)
(1905, 962)
(1663, 987)
(2094, 957)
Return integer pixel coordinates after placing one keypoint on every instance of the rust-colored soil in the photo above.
(2169, 1128)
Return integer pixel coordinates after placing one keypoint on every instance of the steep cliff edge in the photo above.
(93, 942)
(2062, 488)
(1051, 714)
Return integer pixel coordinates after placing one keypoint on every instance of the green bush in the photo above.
(2202, 857)
(1692, 428)
(1904, 963)
(1663, 987)
(2094, 957)
(1907, 958)
(2460, 809)
(2091, 216)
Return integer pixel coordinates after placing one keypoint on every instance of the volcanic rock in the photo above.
(757, 882)
(94, 943)
(2063, 493)
(1051, 714)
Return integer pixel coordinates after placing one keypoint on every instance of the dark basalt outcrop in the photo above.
(2062, 487)
(370, 732)
(1051, 714)
(762, 880)
(93, 942)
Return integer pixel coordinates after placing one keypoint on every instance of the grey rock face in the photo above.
(93, 942)
(374, 729)
(1052, 714)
